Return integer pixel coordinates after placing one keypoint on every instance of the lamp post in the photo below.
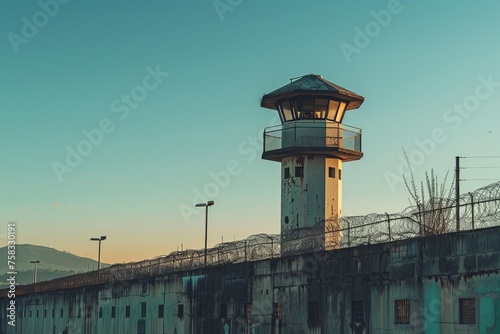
(103, 237)
(36, 262)
(206, 205)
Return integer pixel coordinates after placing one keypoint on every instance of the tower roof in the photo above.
(312, 85)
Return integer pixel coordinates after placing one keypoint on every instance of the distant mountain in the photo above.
(53, 264)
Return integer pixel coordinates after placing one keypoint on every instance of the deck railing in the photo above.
(312, 135)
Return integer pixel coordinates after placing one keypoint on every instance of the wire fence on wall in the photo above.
(478, 209)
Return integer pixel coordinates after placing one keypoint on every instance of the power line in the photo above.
(483, 157)
(458, 179)
(479, 167)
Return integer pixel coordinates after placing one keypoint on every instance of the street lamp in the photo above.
(36, 262)
(103, 237)
(206, 205)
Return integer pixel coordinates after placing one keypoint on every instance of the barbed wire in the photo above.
(479, 209)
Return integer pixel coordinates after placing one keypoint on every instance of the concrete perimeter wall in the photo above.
(427, 285)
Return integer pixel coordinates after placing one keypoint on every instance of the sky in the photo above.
(116, 117)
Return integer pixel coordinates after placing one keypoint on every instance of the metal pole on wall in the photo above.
(472, 208)
(101, 238)
(99, 256)
(457, 191)
(206, 205)
(35, 262)
(206, 236)
(420, 222)
(388, 225)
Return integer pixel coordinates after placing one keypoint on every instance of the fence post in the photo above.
(389, 225)
(472, 208)
(272, 248)
(348, 233)
(420, 221)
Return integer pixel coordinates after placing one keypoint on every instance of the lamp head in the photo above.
(209, 203)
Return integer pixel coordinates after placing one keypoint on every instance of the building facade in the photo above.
(448, 283)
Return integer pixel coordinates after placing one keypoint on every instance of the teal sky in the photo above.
(425, 69)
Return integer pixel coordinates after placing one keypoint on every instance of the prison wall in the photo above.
(448, 283)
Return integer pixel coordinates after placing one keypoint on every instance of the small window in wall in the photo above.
(161, 310)
(313, 314)
(100, 312)
(331, 172)
(402, 311)
(31, 314)
(223, 311)
(89, 312)
(248, 310)
(53, 313)
(62, 313)
(180, 311)
(277, 310)
(340, 174)
(113, 311)
(286, 173)
(201, 311)
(299, 171)
(467, 310)
(144, 287)
(127, 311)
(143, 309)
(141, 326)
(37, 313)
(357, 312)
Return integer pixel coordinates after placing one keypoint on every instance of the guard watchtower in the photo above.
(311, 144)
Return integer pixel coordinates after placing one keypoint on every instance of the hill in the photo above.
(53, 264)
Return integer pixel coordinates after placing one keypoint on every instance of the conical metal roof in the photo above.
(315, 86)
